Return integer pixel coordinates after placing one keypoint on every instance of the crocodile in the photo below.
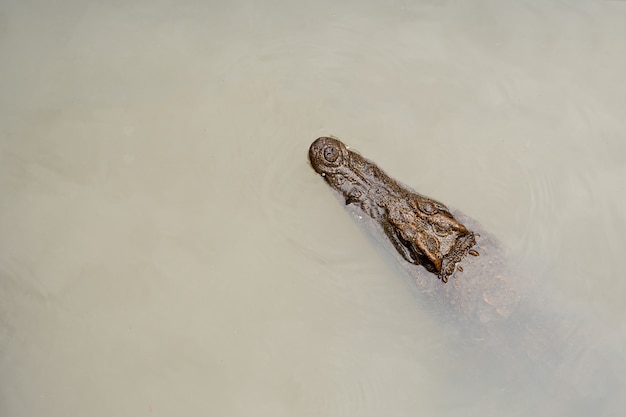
(434, 243)
(421, 229)
(461, 271)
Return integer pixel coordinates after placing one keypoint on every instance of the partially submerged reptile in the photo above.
(421, 229)
(434, 243)
(460, 270)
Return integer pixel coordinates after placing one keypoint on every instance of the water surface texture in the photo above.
(166, 249)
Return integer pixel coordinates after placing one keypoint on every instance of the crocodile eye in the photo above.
(427, 207)
(331, 153)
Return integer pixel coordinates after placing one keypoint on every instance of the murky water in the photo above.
(165, 248)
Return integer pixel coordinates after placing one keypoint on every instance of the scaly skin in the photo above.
(421, 229)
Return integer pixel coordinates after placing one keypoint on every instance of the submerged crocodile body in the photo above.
(539, 353)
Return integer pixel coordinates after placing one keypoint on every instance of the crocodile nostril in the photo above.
(331, 153)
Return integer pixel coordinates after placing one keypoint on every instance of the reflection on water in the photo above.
(166, 249)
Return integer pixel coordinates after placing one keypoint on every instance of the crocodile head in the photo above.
(421, 229)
